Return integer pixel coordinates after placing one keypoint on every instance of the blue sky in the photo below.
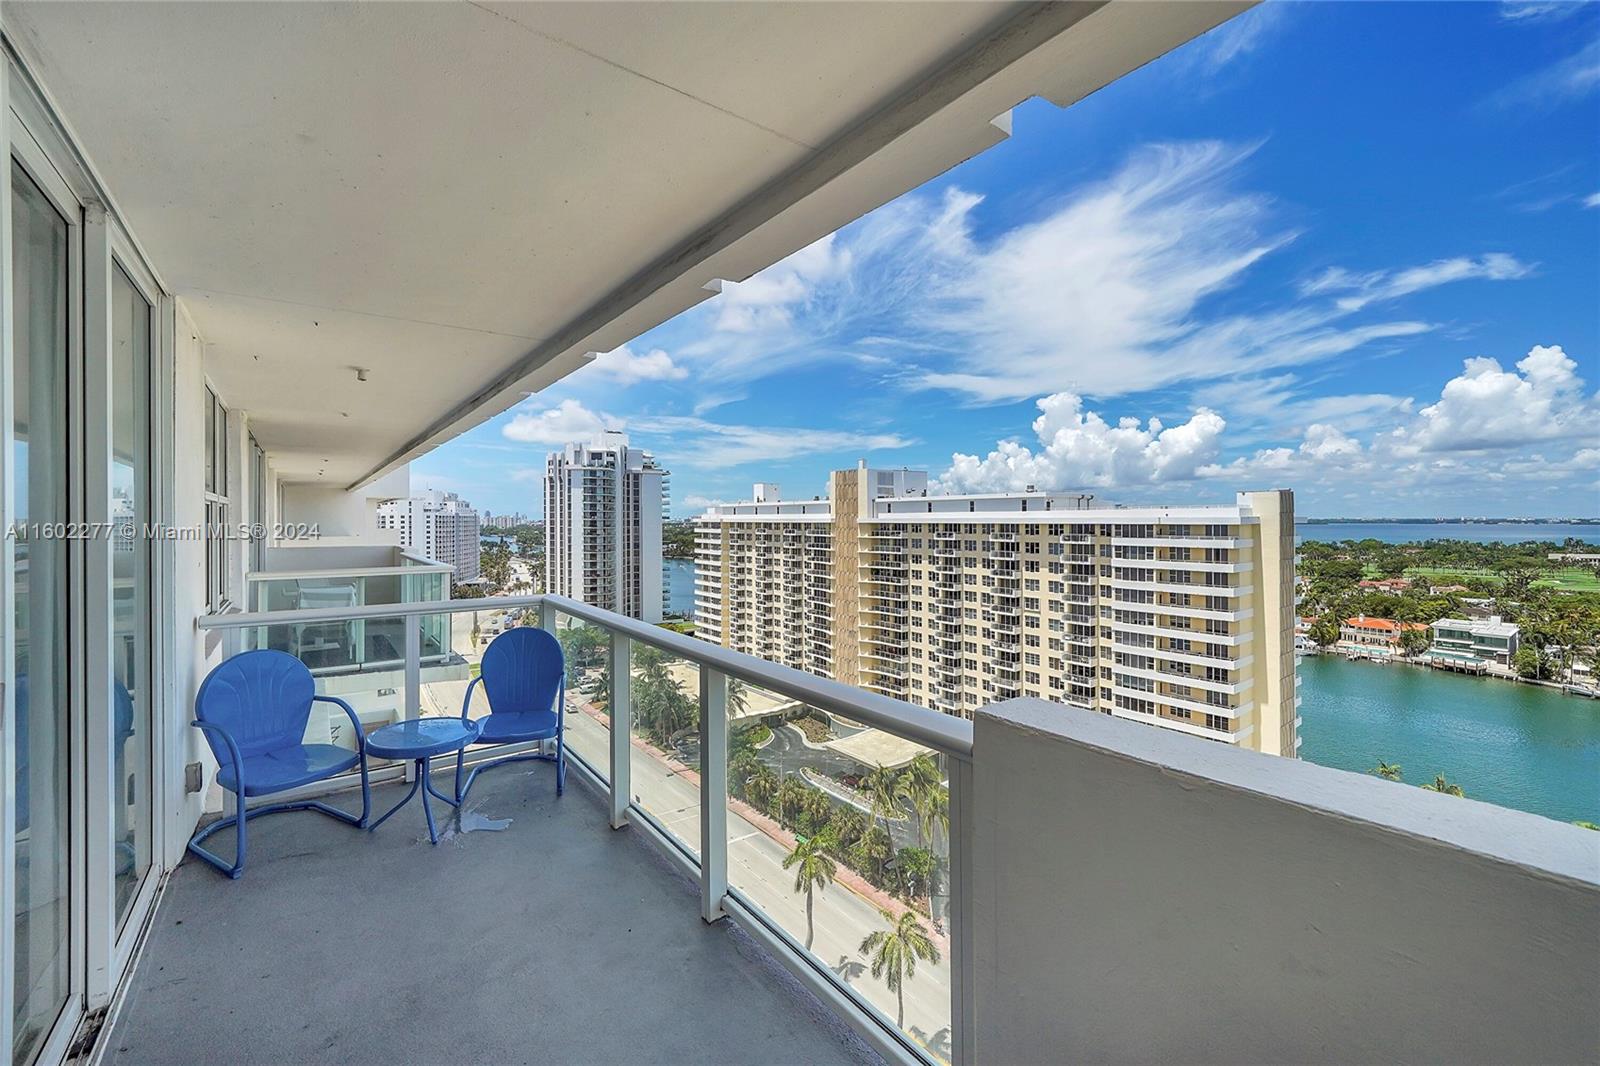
(1349, 249)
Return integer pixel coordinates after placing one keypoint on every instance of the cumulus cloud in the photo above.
(1363, 289)
(1487, 423)
(627, 368)
(1487, 406)
(1489, 426)
(1592, 200)
(1080, 448)
(564, 423)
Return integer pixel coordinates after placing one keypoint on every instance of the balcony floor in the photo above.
(555, 939)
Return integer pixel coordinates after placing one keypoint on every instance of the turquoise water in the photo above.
(1519, 746)
(1481, 532)
(680, 586)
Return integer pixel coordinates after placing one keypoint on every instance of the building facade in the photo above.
(1481, 638)
(1374, 636)
(439, 525)
(1178, 616)
(604, 504)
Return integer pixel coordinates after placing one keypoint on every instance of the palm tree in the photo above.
(738, 697)
(761, 787)
(882, 794)
(895, 952)
(814, 871)
(922, 786)
(1389, 771)
(1439, 784)
(600, 690)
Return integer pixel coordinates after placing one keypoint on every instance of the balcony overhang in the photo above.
(465, 199)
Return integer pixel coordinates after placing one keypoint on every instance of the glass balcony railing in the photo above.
(821, 817)
(348, 645)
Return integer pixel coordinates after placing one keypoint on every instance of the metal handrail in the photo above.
(931, 729)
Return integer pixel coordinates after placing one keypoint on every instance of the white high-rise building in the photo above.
(603, 505)
(437, 524)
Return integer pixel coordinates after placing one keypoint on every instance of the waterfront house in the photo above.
(1395, 585)
(1489, 638)
(1373, 636)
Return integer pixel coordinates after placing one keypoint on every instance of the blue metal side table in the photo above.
(419, 740)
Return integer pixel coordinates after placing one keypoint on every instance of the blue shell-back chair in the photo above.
(525, 676)
(253, 709)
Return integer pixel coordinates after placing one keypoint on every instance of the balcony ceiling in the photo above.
(466, 198)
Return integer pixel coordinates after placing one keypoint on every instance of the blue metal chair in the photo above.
(253, 709)
(525, 676)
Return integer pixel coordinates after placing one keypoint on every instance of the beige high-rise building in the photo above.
(1182, 617)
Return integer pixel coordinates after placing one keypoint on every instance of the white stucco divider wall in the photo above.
(1142, 896)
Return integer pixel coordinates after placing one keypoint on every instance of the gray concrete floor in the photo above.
(555, 940)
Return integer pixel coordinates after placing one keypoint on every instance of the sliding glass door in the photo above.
(81, 841)
(41, 666)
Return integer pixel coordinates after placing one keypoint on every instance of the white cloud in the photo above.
(1528, 11)
(1235, 39)
(1379, 285)
(623, 365)
(1115, 289)
(770, 297)
(1592, 200)
(1570, 78)
(701, 443)
(564, 423)
(1079, 448)
(1487, 406)
(1490, 429)
(701, 503)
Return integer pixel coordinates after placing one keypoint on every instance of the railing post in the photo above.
(713, 792)
(413, 666)
(621, 726)
(547, 617)
(958, 914)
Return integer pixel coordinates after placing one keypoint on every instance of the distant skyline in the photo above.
(1347, 249)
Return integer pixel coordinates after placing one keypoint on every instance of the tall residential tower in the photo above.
(440, 525)
(1182, 617)
(603, 507)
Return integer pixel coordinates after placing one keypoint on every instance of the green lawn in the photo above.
(1568, 579)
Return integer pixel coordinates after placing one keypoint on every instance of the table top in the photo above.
(416, 738)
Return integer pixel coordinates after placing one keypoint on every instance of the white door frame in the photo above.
(26, 149)
(100, 950)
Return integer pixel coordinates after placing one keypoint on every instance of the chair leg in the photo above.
(241, 818)
(561, 762)
(366, 792)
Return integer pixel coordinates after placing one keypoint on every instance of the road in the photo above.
(755, 868)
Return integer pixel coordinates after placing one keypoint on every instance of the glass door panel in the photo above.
(39, 265)
(129, 593)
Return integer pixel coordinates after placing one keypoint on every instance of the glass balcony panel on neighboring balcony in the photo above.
(839, 835)
(353, 645)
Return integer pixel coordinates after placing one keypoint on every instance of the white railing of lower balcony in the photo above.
(751, 774)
